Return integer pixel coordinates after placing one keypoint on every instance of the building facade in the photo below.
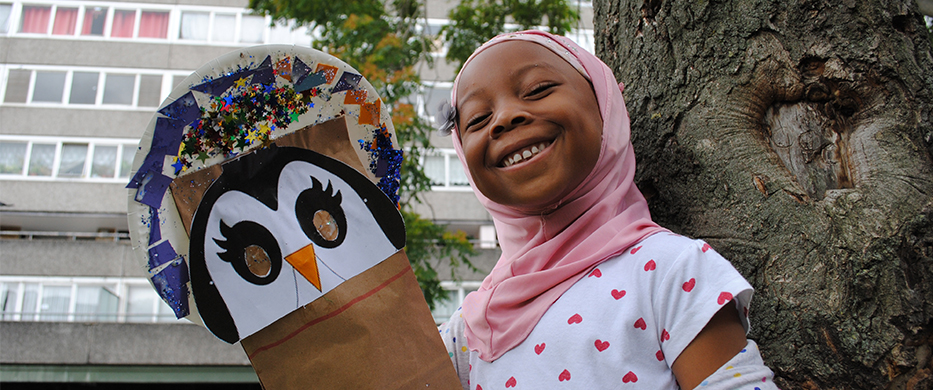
(79, 81)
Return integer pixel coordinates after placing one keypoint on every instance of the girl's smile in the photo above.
(530, 127)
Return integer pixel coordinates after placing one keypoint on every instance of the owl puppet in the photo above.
(263, 208)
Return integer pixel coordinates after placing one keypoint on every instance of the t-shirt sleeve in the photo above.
(452, 334)
(696, 286)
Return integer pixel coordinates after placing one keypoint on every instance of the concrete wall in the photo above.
(64, 196)
(114, 344)
(69, 258)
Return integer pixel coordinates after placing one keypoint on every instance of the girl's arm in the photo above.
(721, 341)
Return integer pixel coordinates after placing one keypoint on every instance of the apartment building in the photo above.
(79, 81)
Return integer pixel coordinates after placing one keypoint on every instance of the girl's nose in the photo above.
(508, 121)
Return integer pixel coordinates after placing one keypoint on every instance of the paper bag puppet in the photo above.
(264, 206)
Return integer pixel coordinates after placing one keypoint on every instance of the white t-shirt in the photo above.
(621, 326)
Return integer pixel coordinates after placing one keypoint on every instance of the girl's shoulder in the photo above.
(662, 252)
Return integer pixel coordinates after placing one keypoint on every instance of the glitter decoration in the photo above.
(236, 104)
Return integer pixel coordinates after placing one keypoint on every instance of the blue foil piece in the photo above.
(161, 254)
(299, 71)
(152, 163)
(172, 285)
(310, 81)
(167, 136)
(264, 74)
(185, 109)
(347, 82)
(155, 230)
(152, 189)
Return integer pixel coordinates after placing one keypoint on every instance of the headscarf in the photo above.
(544, 255)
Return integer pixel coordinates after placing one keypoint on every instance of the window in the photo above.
(224, 28)
(85, 299)
(123, 23)
(434, 96)
(17, 86)
(84, 88)
(105, 161)
(35, 19)
(445, 171)
(5, 11)
(94, 20)
(99, 159)
(72, 160)
(49, 87)
(41, 159)
(194, 25)
(65, 21)
(445, 308)
(12, 156)
(252, 29)
(153, 24)
(119, 89)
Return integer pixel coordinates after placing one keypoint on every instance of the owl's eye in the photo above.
(320, 215)
(252, 250)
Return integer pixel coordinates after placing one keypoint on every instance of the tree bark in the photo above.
(795, 136)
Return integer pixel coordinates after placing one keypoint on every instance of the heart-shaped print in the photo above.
(564, 376)
(635, 249)
(630, 377)
(659, 355)
(706, 247)
(618, 294)
(574, 319)
(596, 272)
(601, 345)
(641, 324)
(511, 382)
(650, 265)
(664, 335)
(688, 285)
(539, 348)
(478, 387)
(724, 297)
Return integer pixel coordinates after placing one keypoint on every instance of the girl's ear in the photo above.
(446, 118)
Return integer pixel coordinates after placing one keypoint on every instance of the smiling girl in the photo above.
(589, 292)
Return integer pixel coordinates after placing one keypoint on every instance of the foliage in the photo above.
(473, 22)
(383, 42)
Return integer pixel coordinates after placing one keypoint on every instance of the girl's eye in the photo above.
(476, 121)
(540, 89)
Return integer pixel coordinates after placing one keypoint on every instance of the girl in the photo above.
(589, 293)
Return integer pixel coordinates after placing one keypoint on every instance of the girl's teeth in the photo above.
(525, 154)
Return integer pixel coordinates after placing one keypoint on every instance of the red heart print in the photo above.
(664, 335)
(618, 294)
(564, 376)
(601, 345)
(724, 297)
(635, 249)
(705, 247)
(596, 272)
(630, 377)
(641, 324)
(575, 319)
(539, 348)
(688, 285)
(478, 387)
(511, 382)
(659, 355)
(650, 265)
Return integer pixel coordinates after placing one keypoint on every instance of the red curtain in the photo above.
(153, 24)
(36, 19)
(123, 22)
(65, 21)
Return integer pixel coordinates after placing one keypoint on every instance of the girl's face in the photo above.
(529, 125)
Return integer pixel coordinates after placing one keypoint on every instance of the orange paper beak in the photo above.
(305, 262)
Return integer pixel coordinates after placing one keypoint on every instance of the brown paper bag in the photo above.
(350, 338)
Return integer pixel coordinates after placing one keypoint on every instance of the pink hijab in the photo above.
(543, 255)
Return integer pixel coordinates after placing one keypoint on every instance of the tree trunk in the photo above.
(795, 136)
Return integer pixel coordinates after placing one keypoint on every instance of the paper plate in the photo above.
(234, 105)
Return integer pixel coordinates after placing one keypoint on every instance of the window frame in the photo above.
(123, 145)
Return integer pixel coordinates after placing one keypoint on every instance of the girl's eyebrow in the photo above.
(514, 73)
